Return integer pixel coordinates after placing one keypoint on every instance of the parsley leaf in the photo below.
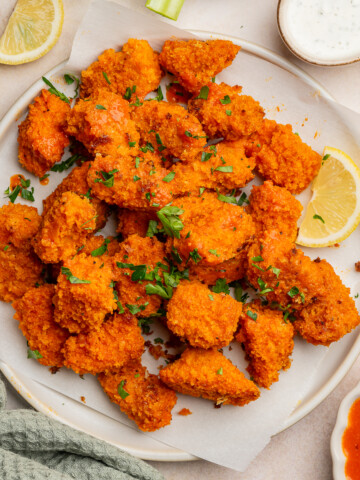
(121, 391)
(34, 354)
(169, 177)
(204, 92)
(106, 77)
(108, 178)
(252, 315)
(195, 256)
(55, 91)
(317, 217)
(226, 100)
(152, 228)
(221, 286)
(169, 217)
(224, 169)
(72, 279)
(69, 162)
(101, 250)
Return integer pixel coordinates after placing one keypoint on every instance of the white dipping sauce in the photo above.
(326, 29)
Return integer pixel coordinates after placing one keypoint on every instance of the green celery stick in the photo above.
(167, 8)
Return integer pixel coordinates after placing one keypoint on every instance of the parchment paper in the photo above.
(230, 436)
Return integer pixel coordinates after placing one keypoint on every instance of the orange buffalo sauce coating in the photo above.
(351, 443)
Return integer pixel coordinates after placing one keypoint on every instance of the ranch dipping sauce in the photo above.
(322, 30)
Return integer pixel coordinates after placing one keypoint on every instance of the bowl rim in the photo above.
(299, 55)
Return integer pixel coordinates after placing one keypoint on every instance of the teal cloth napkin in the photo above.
(35, 447)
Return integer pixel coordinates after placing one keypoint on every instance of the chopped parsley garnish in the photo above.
(100, 107)
(276, 271)
(257, 266)
(238, 292)
(214, 252)
(128, 92)
(201, 190)
(228, 112)
(175, 255)
(169, 177)
(293, 292)
(34, 354)
(164, 291)
(189, 134)
(106, 77)
(134, 309)
(205, 156)
(158, 340)
(204, 93)
(121, 391)
(195, 256)
(108, 178)
(137, 103)
(132, 144)
(44, 177)
(72, 279)
(55, 91)
(325, 157)
(137, 375)
(211, 297)
(148, 146)
(317, 217)
(226, 100)
(220, 371)
(224, 169)
(259, 258)
(243, 199)
(252, 315)
(264, 289)
(221, 286)
(69, 162)
(137, 162)
(224, 198)
(70, 79)
(6, 247)
(101, 250)
(22, 190)
(159, 95)
(152, 228)
(169, 217)
(188, 235)
(136, 178)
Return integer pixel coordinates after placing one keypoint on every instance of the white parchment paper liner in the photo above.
(230, 436)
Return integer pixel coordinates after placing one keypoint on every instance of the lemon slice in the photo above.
(33, 29)
(334, 209)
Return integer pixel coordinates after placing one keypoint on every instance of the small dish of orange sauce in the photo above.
(345, 439)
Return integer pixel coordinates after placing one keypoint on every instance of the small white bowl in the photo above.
(306, 54)
(337, 453)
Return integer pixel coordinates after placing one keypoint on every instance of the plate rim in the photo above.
(300, 411)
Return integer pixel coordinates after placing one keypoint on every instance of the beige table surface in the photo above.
(302, 452)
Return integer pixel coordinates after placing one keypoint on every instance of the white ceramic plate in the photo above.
(338, 360)
(337, 453)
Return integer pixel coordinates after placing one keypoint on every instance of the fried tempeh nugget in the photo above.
(284, 158)
(35, 313)
(218, 230)
(84, 293)
(140, 395)
(274, 208)
(202, 317)
(293, 278)
(64, 228)
(222, 167)
(330, 316)
(103, 124)
(208, 374)
(133, 72)
(42, 138)
(207, 60)
(76, 182)
(116, 343)
(268, 342)
(169, 129)
(134, 183)
(18, 224)
(138, 251)
(226, 113)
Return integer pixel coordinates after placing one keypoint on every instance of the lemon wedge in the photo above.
(32, 30)
(333, 212)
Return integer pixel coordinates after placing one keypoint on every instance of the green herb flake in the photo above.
(243, 199)
(226, 100)
(152, 228)
(226, 199)
(293, 292)
(158, 340)
(44, 177)
(121, 391)
(226, 169)
(107, 178)
(220, 371)
(34, 354)
(136, 178)
(214, 252)
(169, 217)
(101, 250)
(106, 78)
(221, 286)
(201, 190)
(317, 217)
(195, 256)
(169, 177)
(252, 315)
(72, 279)
(134, 309)
(211, 297)
(228, 112)
(55, 91)
(325, 157)
(100, 107)
(259, 258)
(204, 93)
(6, 247)
(205, 156)
(66, 164)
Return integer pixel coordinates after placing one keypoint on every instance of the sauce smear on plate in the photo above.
(351, 443)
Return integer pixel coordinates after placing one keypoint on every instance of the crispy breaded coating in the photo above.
(195, 62)
(18, 224)
(268, 342)
(136, 251)
(274, 208)
(170, 129)
(218, 230)
(64, 228)
(208, 374)
(284, 158)
(222, 167)
(97, 246)
(276, 264)
(137, 65)
(132, 222)
(140, 395)
(330, 316)
(102, 123)
(42, 138)
(81, 307)
(20, 269)
(231, 270)
(227, 114)
(35, 313)
(135, 183)
(201, 317)
(116, 343)
(76, 182)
